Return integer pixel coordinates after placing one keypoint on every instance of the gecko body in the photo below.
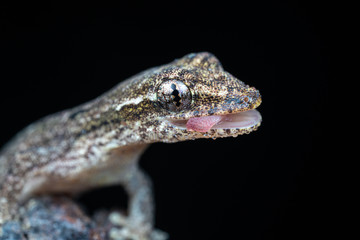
(99, 143)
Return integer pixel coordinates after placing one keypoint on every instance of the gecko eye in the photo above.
(174, 95)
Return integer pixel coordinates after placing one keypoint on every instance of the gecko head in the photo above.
(193, 97)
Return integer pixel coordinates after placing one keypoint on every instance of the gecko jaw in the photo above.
(240, 121)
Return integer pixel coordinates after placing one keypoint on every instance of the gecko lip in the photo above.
(240, 120)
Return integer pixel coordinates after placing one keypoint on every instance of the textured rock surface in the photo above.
(61, 218)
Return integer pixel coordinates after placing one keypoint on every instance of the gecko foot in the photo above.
(130, 229)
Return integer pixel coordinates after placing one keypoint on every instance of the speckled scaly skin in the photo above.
(99, 143)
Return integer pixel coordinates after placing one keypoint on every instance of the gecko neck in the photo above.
(105, 126)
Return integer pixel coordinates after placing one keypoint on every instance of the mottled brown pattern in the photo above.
(70, 151)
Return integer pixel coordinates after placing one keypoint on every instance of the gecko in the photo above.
(99, 143)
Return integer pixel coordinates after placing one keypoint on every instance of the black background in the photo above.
(271, 184)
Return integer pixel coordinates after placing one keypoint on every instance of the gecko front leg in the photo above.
(139, 222)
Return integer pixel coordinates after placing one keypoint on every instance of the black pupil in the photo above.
(175, 94)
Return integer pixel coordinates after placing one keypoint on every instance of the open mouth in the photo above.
(240, 120)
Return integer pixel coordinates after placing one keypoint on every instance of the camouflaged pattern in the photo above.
(67, 144)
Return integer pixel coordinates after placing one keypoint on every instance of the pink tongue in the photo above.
(202, 124)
